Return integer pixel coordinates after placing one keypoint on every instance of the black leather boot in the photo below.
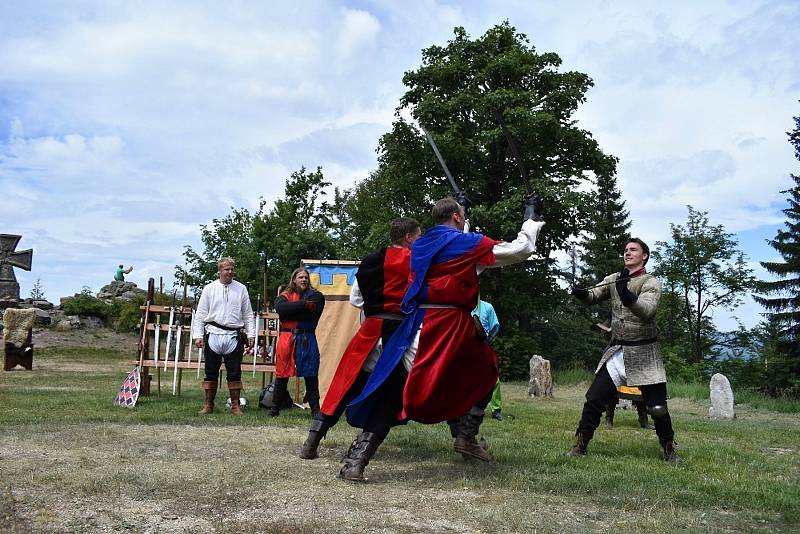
(358, 456)
(279, 391)
(670, 454)
(310, 448)
(312, 395)
(581, 443)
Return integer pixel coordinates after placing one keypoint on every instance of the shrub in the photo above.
(86, 305)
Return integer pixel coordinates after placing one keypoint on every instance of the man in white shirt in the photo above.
(223, 311)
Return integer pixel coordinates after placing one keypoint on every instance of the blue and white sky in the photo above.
(124, 126)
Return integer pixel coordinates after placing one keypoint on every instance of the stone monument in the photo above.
(10, 258)
(721, 398)
(541, 382)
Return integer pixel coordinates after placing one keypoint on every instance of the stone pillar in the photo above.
(541, 382)
(721, 398)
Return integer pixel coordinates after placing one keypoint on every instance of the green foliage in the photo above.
(703, 268)
(127, 315)
(297, 227)
(784, 303)
(37, 291)
(678, 368)
(455, 94)
(607, 231)
(231, 236)
(86, 305)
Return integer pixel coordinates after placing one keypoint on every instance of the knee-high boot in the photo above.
(317, 431)
(279, 391)
(466, 442)
(312, 395)
(235, 389)
(210, 392)
(359, 455)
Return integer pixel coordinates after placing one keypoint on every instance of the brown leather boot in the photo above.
(210, 390)
(358, 457)
(466, 442)
(310, 448)
(581, 443)
(670, 454)
(235, 388)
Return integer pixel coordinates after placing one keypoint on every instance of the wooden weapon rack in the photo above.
(156, 317)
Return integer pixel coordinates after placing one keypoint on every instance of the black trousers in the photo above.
(358, 385)
(388, 403)
(312, 390)
(233, 362)
(603, 390)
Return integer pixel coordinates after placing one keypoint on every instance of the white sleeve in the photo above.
(198, 326)
(247, 314)
(356, 298)
(508, 253)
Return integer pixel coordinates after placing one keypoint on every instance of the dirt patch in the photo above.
(97, 338)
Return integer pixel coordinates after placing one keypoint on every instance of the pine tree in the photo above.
(783, 304)
(608, 231)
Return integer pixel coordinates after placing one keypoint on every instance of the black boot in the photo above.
(312, 395)
(358, 456)
(581, 443)
(670, 454)
(466, 442)
(315, 434)
(641, 409)
(279, 391)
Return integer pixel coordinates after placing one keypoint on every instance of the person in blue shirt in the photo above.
(488, 318)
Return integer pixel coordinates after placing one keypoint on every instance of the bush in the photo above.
(127, 315)
(514, 353)
(86, 305)
(678, 369)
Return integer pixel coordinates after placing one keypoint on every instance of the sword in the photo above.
(255, 345)
(179, 326)
(157, 338)
(602, 284)
(441, 160)
(169, 329)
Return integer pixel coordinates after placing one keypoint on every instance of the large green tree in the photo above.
(703, 268)
(455, 94)
(300, 225)
(605, 237)
(607, 231)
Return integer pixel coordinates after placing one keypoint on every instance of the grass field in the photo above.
(71, 462)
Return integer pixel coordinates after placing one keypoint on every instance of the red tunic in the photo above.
(382, 278)
(454, 367)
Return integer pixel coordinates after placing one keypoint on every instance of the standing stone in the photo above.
(721, 398)
(541, 382)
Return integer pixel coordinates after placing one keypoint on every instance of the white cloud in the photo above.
(124, 127)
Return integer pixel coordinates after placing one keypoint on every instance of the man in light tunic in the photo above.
(223, 311)
(633, 357)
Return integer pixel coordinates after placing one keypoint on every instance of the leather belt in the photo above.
(390, 316)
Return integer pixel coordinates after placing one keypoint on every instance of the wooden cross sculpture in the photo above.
(10, 258)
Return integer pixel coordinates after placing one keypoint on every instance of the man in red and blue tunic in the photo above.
(437, 365)
(381, 282)
(297, 352)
